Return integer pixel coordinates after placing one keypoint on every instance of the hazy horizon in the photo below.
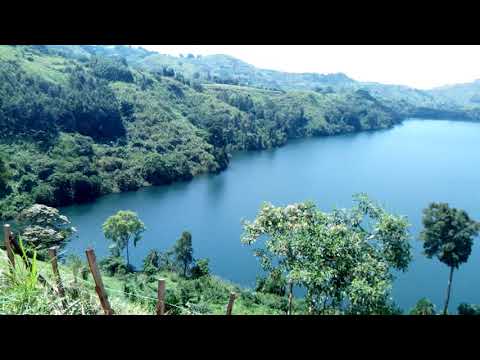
(418, 66)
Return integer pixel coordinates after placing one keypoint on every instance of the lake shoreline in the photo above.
(394, 167)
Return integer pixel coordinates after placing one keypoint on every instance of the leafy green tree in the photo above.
(159, 169)
(128, 181)
(448, 234)
(123, 227)
(183, 251)
(342, 263)
(42, 227)
(423, 307)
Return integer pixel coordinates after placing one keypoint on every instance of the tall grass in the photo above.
(21, 292)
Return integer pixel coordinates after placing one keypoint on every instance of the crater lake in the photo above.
(404, 169)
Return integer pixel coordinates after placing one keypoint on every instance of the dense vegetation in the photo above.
(448, 234)
(343, 259)
(191, 288)
(81, 121)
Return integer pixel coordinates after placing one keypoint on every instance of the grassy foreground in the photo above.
(25, 294)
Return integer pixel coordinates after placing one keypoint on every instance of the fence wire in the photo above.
(124, 293)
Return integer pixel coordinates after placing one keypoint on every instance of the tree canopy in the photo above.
(42, 227)
(343, 259)
(448, 234)
(121, 228)
(183, 251)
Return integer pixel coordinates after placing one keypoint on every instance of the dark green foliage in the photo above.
(423, 307)
(28, 104)
(151, 264)
(273, 283)
(62, 189)
(27, 183)
(468, 309)
(77, 117)
(112, 69)
(159, 169)
(183, 251)
(200, 269)
(128, 181)
(38, 108)
(138, 127)
(448, 234)
(4, 177)
(43, 194)
(85, 188)
(95, 111)
(114, 265)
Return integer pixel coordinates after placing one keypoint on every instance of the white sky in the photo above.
(420, 66)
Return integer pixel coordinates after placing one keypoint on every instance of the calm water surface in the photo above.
(404, 168)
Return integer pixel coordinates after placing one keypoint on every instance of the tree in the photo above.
(123, 227)
(200, 269)
(448, 234)
(183, 251)
(159, 169)
(423, 307)
(42, 227)
(151, 263)
(4, 176)
(343, 264)
(468, 309)
(27, 183)
(273, 283)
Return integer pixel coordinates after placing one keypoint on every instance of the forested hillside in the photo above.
(77, 124)
(467, 94)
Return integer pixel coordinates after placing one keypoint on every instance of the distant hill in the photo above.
(467, 94)
(82, 121)
(229, 70)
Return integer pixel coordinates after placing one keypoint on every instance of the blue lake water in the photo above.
(404, 168)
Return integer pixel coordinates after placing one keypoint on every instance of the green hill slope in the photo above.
(80, 121)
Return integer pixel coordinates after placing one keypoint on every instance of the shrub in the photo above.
(200, 269)
(114, 266)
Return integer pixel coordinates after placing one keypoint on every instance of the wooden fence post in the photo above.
(52, 252)
(99, 288)
(161, 297)
(8, 244)
(231, 300)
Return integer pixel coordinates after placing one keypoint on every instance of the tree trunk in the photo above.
(185, 269)
(290, 297)
(445, 309)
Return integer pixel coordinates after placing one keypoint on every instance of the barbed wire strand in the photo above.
(121, 291)
(126, 294)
